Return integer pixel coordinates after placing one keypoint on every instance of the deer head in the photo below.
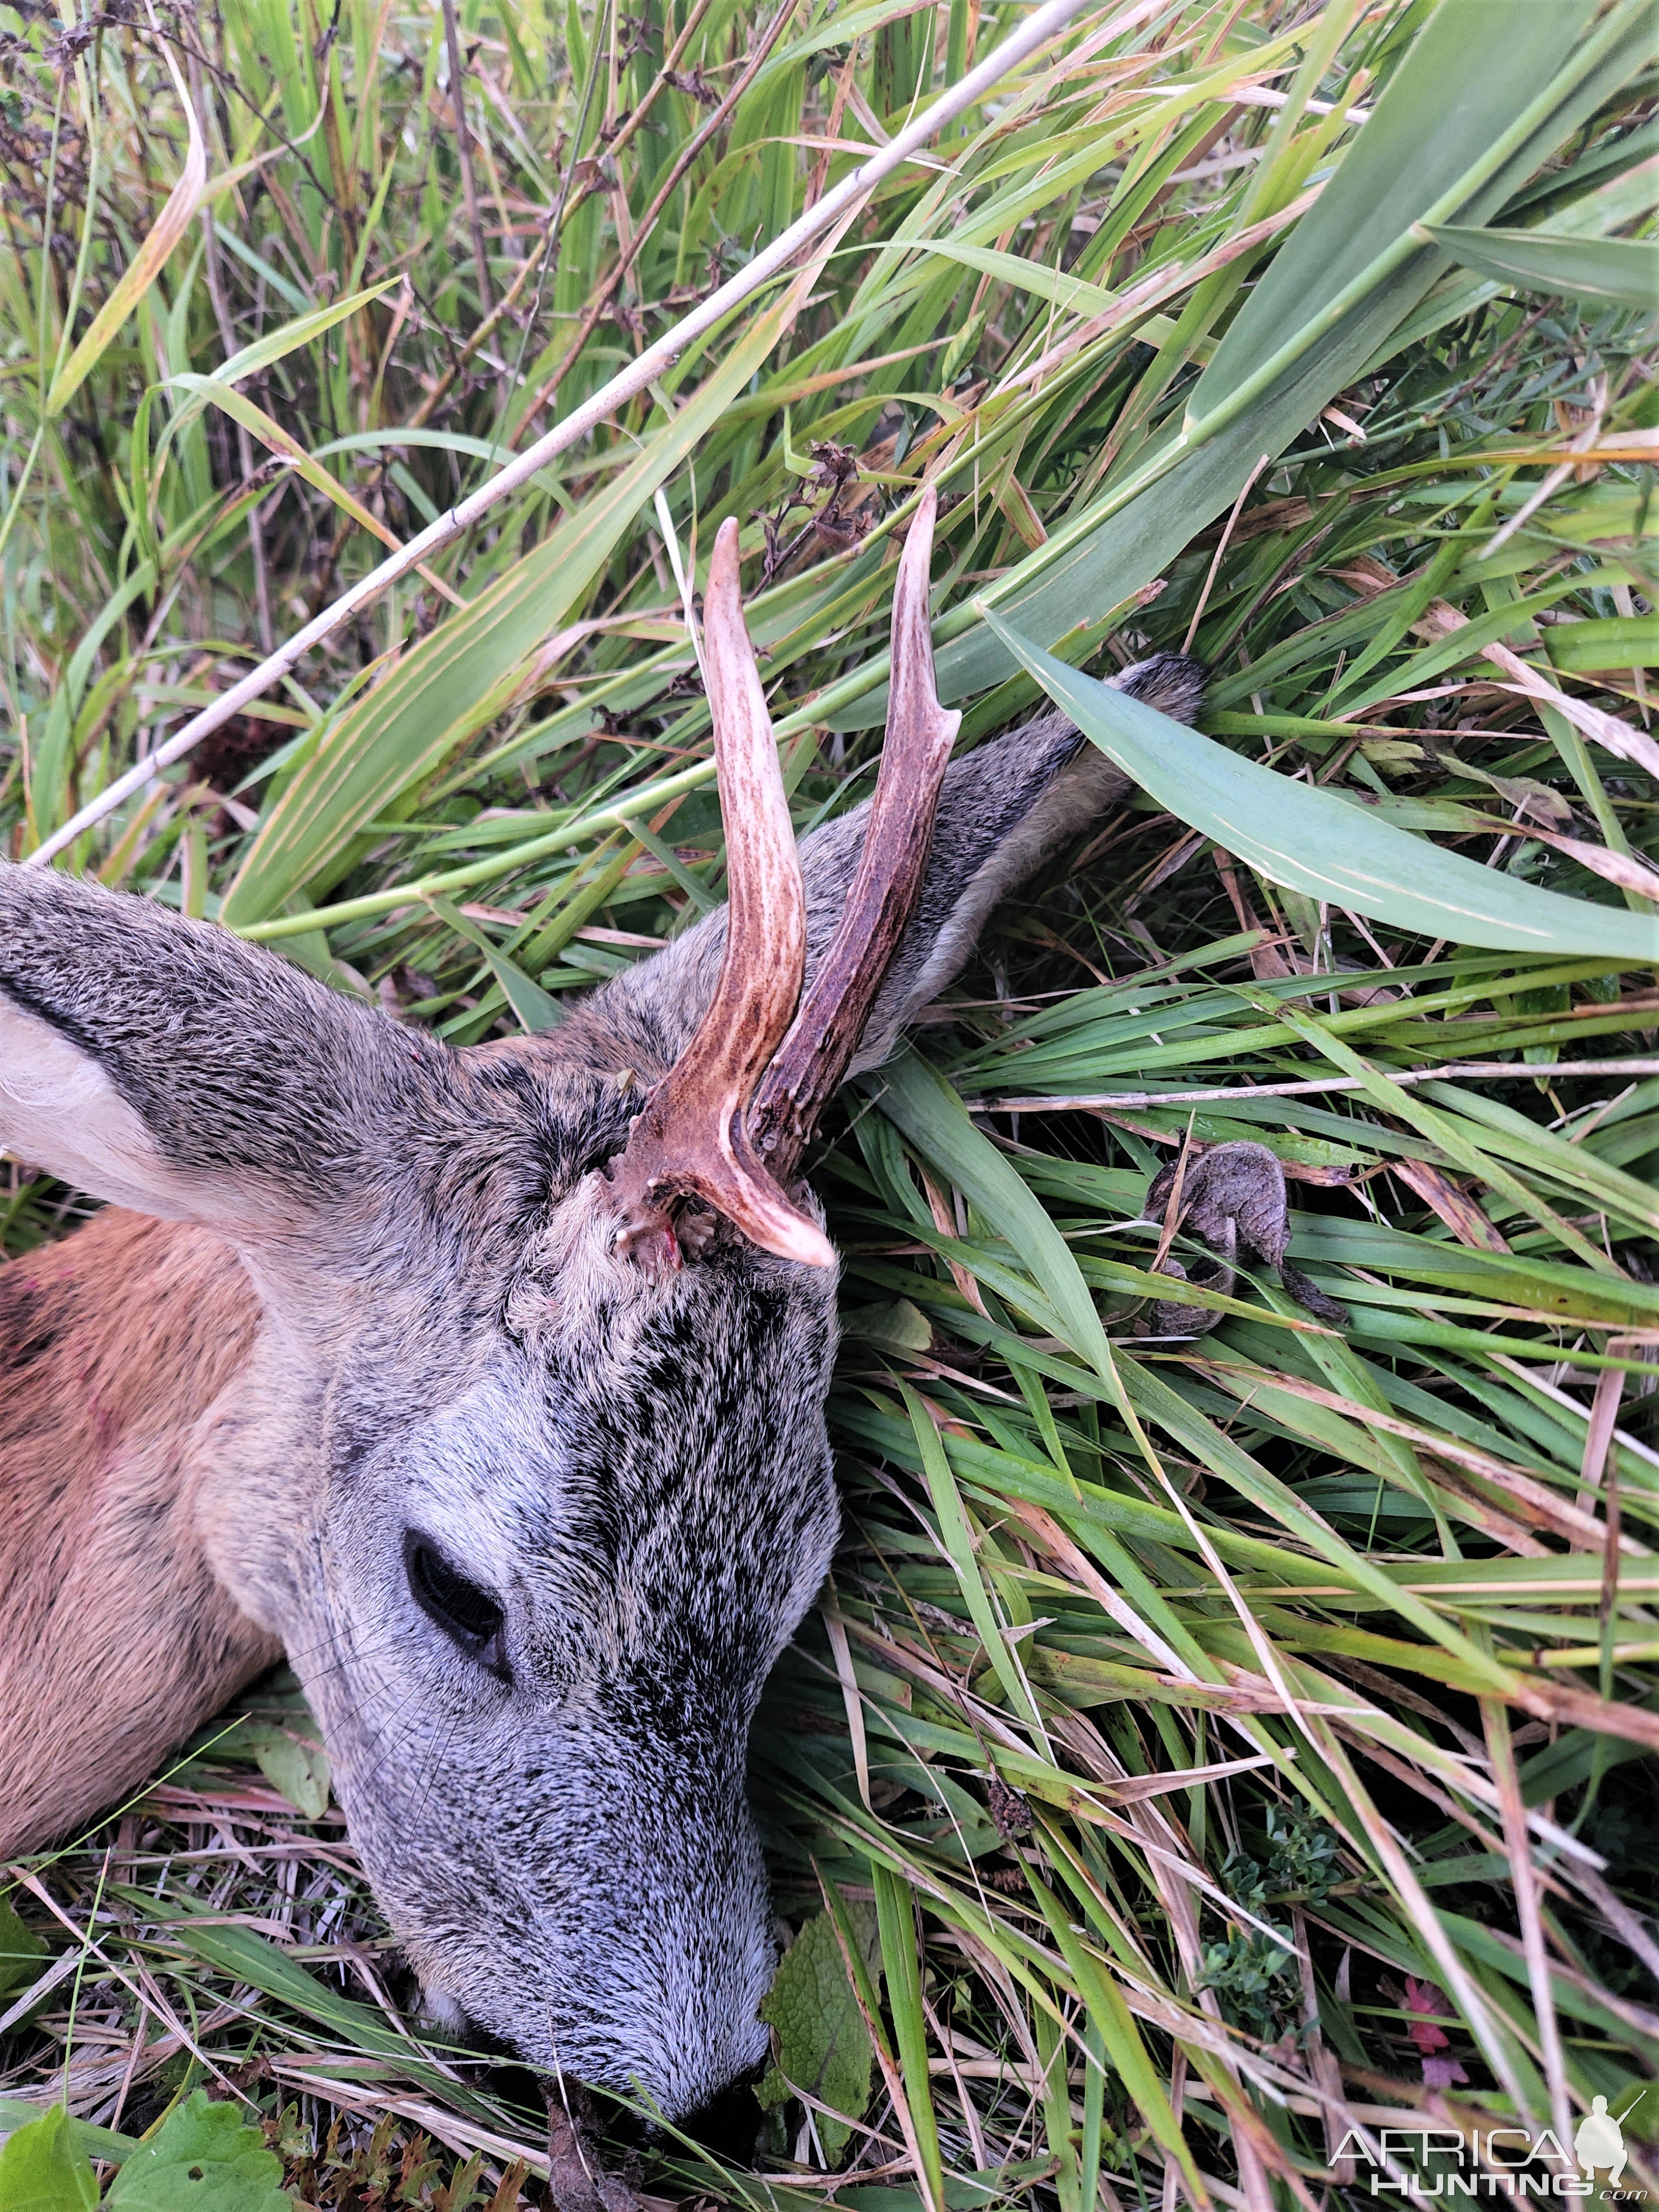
(525, 1463)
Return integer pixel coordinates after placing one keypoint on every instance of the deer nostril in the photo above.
(728, 2124)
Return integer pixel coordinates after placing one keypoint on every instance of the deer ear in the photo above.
(163, 1065)
(1002, 810)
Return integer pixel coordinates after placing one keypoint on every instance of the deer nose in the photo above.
(729, 2122)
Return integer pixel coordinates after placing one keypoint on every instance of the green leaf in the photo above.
(1307, 838)
(1616, 642)
(294, 1764)
(823, 2045)
(41, 2169)
(202, 2159)
(263, 353)
(896, 1919)
(96, 2143)
(1474, 68)
(53, 760)
(251, 1958)
(1123, 2038)
(1073, 293)
(898, 1324)
(147, 263)
(1594, 268)
(957, 1537)
(247, 1957)
(536, 1009)
(964, 2192)
(20, 1950)
(287, 337)
(271, 434)
(919, 1100)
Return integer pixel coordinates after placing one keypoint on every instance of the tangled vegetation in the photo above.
(1213, 1751)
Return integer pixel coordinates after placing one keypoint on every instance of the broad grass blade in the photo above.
(533, 1007)
(276, 344)
(1311, 840)
(1071, 293)
(930, 1114)
(147, 264)
(1596, 269)
(1478, 69)
(453, 680)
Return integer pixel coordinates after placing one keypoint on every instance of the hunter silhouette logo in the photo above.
(1599, 2141)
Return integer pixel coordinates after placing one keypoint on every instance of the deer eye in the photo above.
(469, 1616)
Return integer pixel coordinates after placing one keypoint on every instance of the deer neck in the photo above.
(120, 1639)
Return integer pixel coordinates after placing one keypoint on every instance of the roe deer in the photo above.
(490, 1384)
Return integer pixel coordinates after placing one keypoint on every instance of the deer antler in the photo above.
(689, 1141)
(698, 1135)
(915, 752)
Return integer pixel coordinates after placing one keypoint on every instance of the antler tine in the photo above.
(814, 1056)
(689, 1141)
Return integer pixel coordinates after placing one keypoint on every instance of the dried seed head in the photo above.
(1010, 1813)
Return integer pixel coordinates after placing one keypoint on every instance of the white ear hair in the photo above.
(161, 1063)
(59, 1111)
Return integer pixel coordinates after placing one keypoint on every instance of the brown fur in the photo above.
(113, 1346)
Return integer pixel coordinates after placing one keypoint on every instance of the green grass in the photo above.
(1193, 1732)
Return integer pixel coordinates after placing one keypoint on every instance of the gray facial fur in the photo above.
(450, 1363)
